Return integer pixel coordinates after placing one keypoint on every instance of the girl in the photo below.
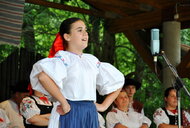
(72, 77)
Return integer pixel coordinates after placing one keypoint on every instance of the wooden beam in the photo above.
(115, 3)
(153, 3)
(108, 9)
(147, 20)
(183, 68)
(144, 20)
(66, 7)
(141, 48)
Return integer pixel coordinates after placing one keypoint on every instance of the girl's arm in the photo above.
(108, 101)
(54, 91)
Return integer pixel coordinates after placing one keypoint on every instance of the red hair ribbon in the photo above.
(31, 91)
(57, 45)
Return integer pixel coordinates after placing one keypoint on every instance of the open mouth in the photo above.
(84, 39)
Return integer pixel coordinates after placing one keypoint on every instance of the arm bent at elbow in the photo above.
(54, 91)
(108, 101)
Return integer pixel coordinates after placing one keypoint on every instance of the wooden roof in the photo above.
(135, 18)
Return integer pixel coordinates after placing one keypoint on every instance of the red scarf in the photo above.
(44, 99)
(173, 111)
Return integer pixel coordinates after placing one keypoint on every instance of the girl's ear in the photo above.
(66, 37)
(165, 99)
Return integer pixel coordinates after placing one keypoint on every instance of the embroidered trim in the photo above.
(98, 64)
(63, 60)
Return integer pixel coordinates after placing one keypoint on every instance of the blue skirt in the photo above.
(83, 114)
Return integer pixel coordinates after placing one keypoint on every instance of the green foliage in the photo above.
(185, 38)
(5, 51)
(124, 54)
(43, 24)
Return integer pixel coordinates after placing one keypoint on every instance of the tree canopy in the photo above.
(41, 25)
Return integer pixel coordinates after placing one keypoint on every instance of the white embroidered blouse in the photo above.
(77, 76)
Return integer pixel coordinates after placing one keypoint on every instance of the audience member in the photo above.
(131, 86)
(11, 106)
(167, 117)
(36, 110)
(121, 117)
(4, 121)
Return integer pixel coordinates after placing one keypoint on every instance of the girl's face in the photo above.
(78, 37)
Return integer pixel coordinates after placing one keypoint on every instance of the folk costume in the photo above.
(130, 119)
(162, 115)
(33, 105)
(78, 77)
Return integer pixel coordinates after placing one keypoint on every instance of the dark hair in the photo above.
(167, 91)
(66, 25)
(131, 82)
(21, 86)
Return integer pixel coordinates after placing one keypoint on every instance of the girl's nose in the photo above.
(85, 33)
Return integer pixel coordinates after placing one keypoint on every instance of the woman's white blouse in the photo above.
(160, 116)
(78, 77)
(129, 119)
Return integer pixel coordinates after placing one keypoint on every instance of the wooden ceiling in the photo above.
(135, 18)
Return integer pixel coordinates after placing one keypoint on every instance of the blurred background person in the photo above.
(121, 117)
(11, 106)
(131, 86)
(36, 109)
(167, 117)
(4, 121)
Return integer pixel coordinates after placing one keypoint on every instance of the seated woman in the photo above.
(36, 110)
(121, 117)
(167, 117)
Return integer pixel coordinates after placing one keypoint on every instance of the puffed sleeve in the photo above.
(160, 117)
(109, 79)
(28, 108)
(145, 120)
(55, 68)
(111, 120)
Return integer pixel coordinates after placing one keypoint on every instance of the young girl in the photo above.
(72, 77)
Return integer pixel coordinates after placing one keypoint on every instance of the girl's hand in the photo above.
(63, 109)
(100, 107)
